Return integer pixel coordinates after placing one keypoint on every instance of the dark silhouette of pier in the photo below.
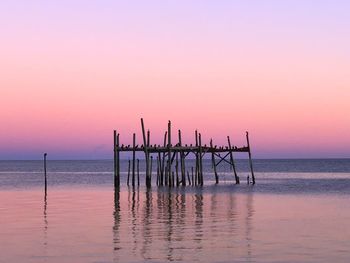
(171, 159)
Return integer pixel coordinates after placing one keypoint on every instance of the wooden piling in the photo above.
(45, 174)
(164, 180)
(128, 173)
(169, 150)
(213, 163)
(116, 159)
(177, 169)
(197, 161)
(200, 177)
(138, 172)
(250, 159)
(231, 160)
(146, 153)
(158, 171)
(133, 158)
(150, 170)
(182, 162)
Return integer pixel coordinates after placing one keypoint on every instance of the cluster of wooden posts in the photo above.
(170, 160)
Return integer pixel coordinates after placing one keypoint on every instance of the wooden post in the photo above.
(200, 160)
(169, 150)
(213, 162)
(128, 173)
(45, 154)
(197, 163)
(158, 170)
(133, 158)
(164, 180)
(182, 162)
(145, 148)
(148, 158)
(231, 160)
(250, 159)
(116, 159)
(150, 170)
(118, 163)
(138, 172)
(160, 182)
(148, 138)
(177, 169)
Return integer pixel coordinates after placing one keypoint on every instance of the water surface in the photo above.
(299, 215)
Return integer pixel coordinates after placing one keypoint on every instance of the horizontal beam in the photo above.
(156, 149)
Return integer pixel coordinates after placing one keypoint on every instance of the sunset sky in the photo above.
(72, 71)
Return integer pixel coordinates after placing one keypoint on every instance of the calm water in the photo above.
(299, 211)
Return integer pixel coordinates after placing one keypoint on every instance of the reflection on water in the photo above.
(45, 220)
(216, 224)
(174, 225)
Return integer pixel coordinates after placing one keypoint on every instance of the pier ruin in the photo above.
(171, 159)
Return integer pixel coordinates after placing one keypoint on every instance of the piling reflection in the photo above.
(249, 224)
(116, 225)
(180, 224)
(46, 224)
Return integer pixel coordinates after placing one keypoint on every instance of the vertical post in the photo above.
(231, 160)
(45, 154)
(250, 159)
(182, 162)
(116, 159)
(177, 169)
(200, 160)
(197, 164)
(148, 157)
(138, 172)
(163, 173)
(127, 182)
(213, 162)
(169, 151)
(148, 138)
(160, 182)
(118, 163)
(146, 152)
(158, 170)
(133, 158)
(150, 170)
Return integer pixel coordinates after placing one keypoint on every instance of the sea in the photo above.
(298, 211)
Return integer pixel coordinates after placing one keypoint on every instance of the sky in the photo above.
(73, 71)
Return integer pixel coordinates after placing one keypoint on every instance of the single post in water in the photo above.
(45, 154)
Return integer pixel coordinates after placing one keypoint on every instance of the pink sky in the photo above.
(70, 74)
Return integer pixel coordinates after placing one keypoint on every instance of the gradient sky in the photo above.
(72, 71)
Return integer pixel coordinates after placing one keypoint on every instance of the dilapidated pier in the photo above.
(171, 159)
